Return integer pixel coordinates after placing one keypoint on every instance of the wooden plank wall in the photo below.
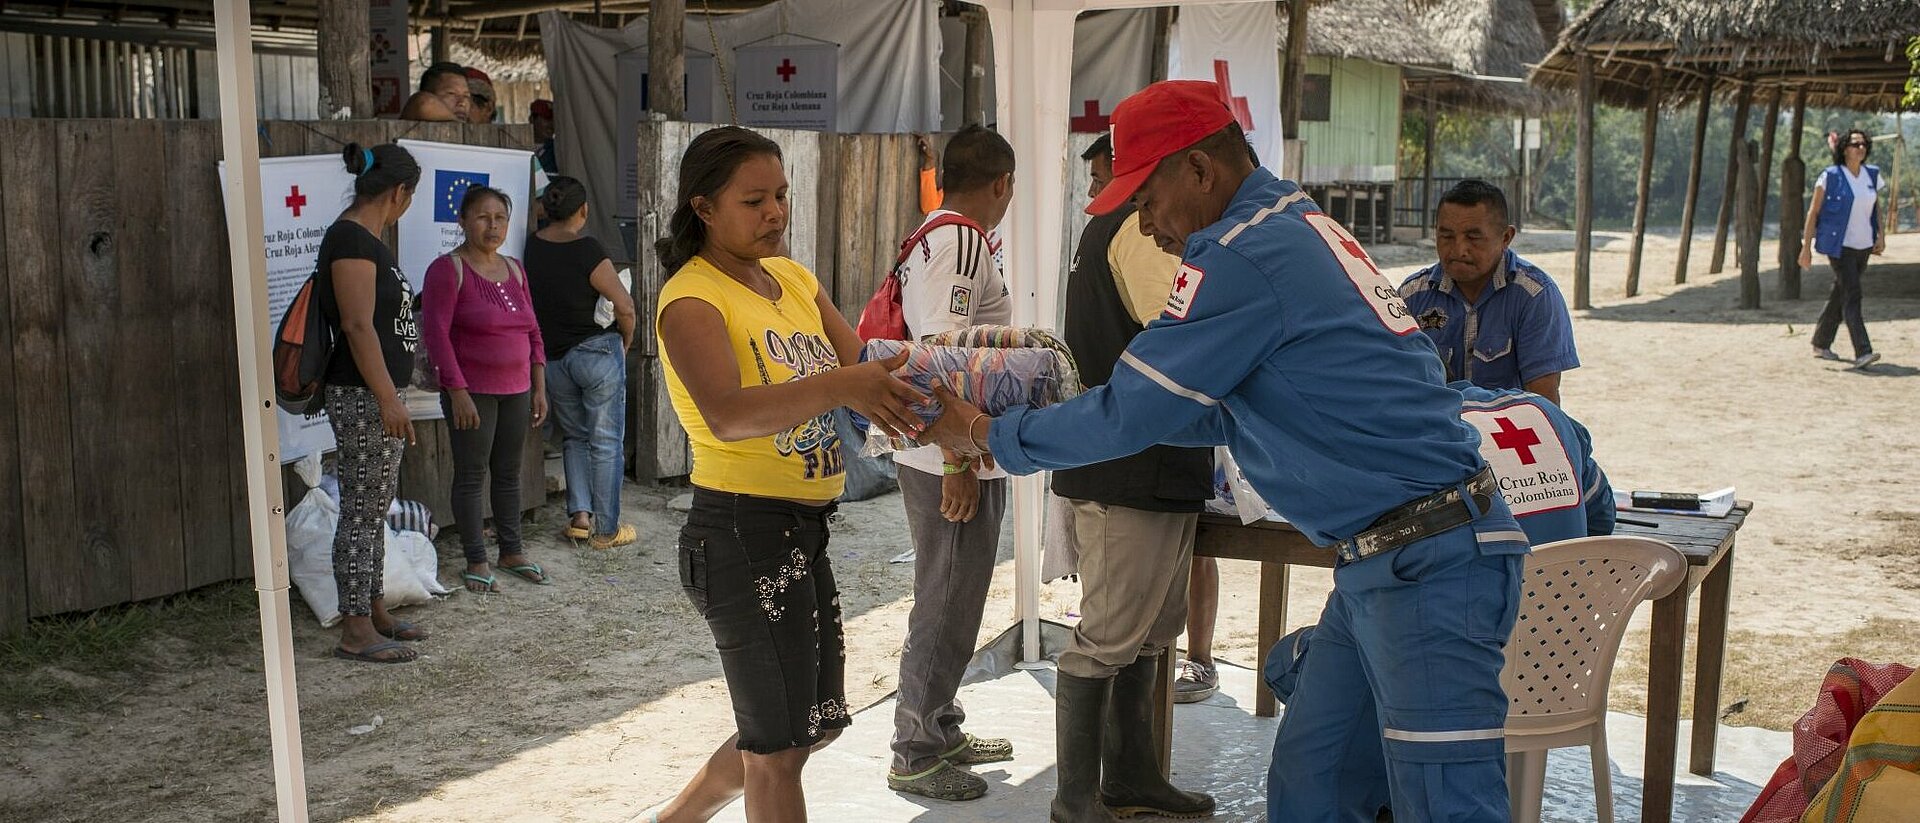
(855, 196)
(120, 462)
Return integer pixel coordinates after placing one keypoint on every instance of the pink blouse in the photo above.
(481, 335)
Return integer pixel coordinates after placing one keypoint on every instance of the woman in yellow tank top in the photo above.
(753, 354)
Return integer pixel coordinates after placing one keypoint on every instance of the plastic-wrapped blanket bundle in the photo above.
(993, 367)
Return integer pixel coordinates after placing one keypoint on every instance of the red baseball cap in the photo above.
(1151, 125)
(541, 108)
(476, 74)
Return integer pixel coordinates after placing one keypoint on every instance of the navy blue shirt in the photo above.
(1281, 341)
(1545, 462)
(1518, 330)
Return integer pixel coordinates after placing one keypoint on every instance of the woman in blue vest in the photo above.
(1844, 224)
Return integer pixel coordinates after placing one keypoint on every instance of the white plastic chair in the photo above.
(1579, 595)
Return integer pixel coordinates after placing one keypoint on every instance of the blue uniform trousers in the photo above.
(1408, 653)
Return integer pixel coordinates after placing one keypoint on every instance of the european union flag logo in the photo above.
(448, 188)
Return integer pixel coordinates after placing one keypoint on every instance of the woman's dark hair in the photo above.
(704, 170)
(564, 198)
(378, 170)
(1840, 148)
(475, 194)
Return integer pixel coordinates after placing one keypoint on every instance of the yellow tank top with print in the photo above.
(774, 341)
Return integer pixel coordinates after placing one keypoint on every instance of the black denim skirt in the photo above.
(757, 570)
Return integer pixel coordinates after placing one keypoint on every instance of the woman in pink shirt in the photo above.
(484, 342)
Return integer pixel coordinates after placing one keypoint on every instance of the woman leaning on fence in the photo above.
(490, 365)
(753, 357)
(570, 274)
(370, 304)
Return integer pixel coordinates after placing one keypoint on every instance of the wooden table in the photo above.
(1707, 544)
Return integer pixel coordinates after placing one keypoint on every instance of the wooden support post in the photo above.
(441, 48)
(667, 58)
(1793, 206)
(1583, 192)
(973, 108)
(1162, 34)
(1693, 182)
(1752, 212)
(1743, 104)
(1649, 136)
(1294, 78)
(1429, 201)
(1767, 135)
(346, 83)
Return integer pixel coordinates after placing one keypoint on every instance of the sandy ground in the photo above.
(592, 699)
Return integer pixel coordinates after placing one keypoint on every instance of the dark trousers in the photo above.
(1844, 303)
(494, 448)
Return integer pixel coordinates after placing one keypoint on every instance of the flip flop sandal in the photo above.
(944, 781)
(402, 630)
(981, 750)
(530, 572)
(371, 654)
(492, 587)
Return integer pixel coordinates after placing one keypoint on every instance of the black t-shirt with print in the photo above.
(393, 320)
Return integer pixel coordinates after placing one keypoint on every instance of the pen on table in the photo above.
(1642, 523)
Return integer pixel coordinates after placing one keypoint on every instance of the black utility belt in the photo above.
(1422, 518)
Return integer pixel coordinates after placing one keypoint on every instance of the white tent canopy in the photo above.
(1033, 68)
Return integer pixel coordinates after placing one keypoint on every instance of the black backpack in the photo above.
(301, 351)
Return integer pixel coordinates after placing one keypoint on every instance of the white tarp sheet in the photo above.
(1236, 45)
(888, 77)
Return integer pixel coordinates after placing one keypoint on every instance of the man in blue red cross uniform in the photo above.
(1498, 320)
(1287, 345)
(1553, 486)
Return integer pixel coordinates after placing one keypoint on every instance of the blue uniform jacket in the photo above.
(1517, 331)
(1532, 444)
(1282, 341)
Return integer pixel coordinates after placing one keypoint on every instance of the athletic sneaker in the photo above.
(1194, 681)
(1824, 353)
(1866, 360)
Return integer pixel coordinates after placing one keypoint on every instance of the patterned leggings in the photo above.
(369, 471)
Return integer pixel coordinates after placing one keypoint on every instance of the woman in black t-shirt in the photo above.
(370, 305)
(567, 274)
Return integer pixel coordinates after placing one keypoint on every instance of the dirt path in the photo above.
(591, 699)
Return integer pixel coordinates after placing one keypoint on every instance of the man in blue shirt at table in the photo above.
(1498, 320)
(1282, 341)
(1552, 485)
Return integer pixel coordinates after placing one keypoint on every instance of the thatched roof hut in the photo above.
(1466, 53)
(1845, 53)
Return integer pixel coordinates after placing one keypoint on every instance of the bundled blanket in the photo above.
(994, 367)
(1827, 741)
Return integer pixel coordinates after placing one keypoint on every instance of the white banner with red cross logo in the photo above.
(300, 197)
(787, 85)
(1112, 58)
(1235, 45)
(1525, 451)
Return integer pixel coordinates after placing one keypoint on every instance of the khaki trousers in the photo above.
(1133, 585)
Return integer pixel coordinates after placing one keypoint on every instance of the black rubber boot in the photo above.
(1132, 783)
(1079, 723)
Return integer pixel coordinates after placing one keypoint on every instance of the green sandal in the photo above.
(980, 750)
(530, 572)
(944, 781)
(492, 587)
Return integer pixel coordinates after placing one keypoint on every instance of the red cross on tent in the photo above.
(1091, 121)
(1241, 111)
(295, 200)
(786, 70)
(1517, 440)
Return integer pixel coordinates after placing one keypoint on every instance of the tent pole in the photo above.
(266, 510)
